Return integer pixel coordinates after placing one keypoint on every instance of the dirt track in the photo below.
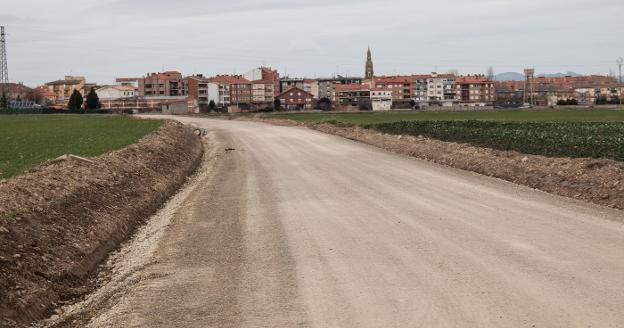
(299, 228)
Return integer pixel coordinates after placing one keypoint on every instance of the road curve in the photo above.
(301, 229)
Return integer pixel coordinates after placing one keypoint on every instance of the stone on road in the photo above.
(296, 228)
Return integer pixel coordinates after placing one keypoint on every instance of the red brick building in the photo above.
(240, 90)
(402, 87)
(295, 99)
(475, 90)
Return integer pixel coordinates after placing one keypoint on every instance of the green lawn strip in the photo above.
(28, 140)
(560, 139)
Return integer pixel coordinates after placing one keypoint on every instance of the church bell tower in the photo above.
(369, 66)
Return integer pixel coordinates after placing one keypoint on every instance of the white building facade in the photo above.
(116, 92)
(381, 99)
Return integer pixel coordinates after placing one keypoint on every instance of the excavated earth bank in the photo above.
(60, 220)
(600, 181)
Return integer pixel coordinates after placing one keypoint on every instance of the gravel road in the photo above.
(295, 228)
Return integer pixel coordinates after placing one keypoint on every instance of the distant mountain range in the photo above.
(513, 76)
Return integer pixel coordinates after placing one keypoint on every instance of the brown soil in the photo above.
(600, 181)
(60, 220)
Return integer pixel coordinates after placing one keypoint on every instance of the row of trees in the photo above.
(567, 102)
(76, 101)
(324, 104)
(602, 100)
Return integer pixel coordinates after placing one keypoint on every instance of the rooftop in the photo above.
(229, 79)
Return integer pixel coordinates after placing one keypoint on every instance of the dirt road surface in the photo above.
(295, 228)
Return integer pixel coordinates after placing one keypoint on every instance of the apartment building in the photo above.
(441, 89)
(163, 85)
(199, 89)
(239, 89)
(262, 93)
(327, 86)
(547, 91)
(353, 97)
(128, 81)
(475, 90)
(63, 89)
(266, 74)
(311, 86)
(288, 83)
(402, 87)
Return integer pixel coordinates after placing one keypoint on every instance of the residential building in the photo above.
(198, 89)
(237, 88)
(266, 74)
(112, 92)
(161, 85)
(49, 97)
(22, 92)
(311, 86)
(128, 81)
(475, 90)
(402, 87)
(287, 83)
(63, 89)
(327, 86)
(441, 89)
(420, 89)
(295, 99)
(353, 97)
(262, 93)
(592, 96)
(546, 91)
(381, 99)
(222, 96)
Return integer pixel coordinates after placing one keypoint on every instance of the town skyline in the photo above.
(106, 39)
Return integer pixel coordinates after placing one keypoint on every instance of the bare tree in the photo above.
(490, 73)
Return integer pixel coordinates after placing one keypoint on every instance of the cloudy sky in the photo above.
(103, 39)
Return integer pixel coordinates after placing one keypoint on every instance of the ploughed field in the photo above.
(569, 133)
(29, 140)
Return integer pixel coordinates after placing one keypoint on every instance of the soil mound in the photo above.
(60, 220)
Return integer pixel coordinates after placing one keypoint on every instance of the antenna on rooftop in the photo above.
(4, 71)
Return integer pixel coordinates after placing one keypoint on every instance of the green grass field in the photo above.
(28, 140)
(597, 115)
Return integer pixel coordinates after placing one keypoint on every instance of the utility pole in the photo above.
(4, 71)
(529, 83)
(620, 61)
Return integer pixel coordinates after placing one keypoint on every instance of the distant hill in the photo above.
(513, 76)
(509, 76)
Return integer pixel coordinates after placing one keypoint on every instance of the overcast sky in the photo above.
(103, 39)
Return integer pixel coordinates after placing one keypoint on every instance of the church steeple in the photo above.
(369, 73)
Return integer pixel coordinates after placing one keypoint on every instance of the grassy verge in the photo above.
(560, 139)
(596, 115)
(28, 140)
